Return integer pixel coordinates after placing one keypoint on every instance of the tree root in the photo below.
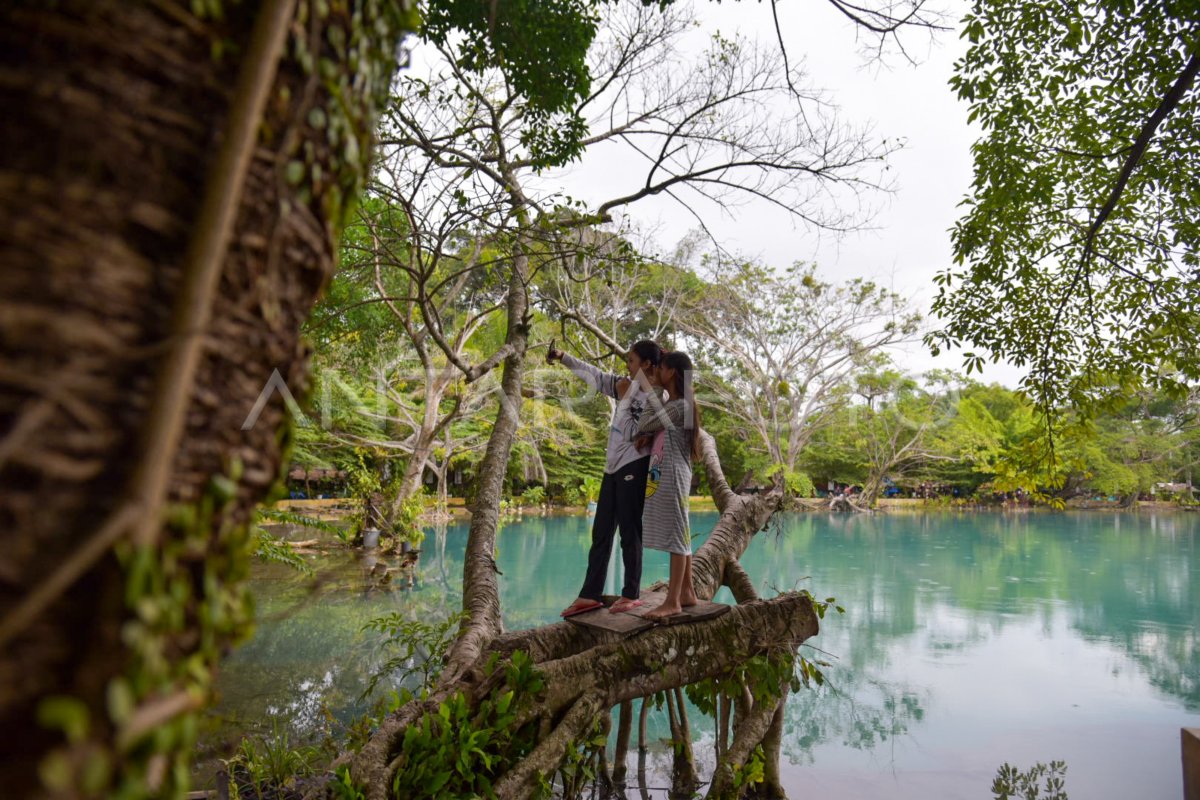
(520, 781)
(683, 775)
(748, 732)
(624, 729)
(772, 784)
(581, 687)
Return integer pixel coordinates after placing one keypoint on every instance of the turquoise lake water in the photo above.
(968, 640)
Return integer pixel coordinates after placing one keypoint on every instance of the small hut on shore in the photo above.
(314, 482)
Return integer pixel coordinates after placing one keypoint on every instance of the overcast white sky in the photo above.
(909, 240)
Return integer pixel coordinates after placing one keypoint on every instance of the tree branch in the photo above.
(1165, 107)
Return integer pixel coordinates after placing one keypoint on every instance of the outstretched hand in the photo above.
(553, 354)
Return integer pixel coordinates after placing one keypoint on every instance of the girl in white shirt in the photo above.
(623, 488)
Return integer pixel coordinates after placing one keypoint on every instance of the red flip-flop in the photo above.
(624, 604)
(574, 609)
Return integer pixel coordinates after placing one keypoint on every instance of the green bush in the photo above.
(1185, 498)
(591, 489)
(533, 496)
(265, 764)
(363, 484)
(797, 484)
(343, 787)
(458, 751)
(406, 525)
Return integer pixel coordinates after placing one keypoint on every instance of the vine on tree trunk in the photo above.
(107, 674)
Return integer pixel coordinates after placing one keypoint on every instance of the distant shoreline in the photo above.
(458, 511)
(948, 504)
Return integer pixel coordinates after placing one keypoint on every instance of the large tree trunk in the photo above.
(587, 672)
(143, 308)
(414, 468)
(481, 593)
(872, 488)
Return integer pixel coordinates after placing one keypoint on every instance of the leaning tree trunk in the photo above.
(481, 593)
(585, 672)
(871, 489)
(171, 186)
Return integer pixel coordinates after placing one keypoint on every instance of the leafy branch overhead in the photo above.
(1077, 251)
(542, 46)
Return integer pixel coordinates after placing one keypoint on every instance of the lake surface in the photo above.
(969, 640)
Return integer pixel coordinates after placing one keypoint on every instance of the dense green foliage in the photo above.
(264, 764)
(1077, 252)
(458, 751)
(861, 422)
(542, 46)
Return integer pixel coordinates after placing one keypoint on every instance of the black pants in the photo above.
(622, 495)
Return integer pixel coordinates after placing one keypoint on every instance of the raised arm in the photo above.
(606, 383)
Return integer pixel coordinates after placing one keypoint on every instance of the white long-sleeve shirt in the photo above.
(622, 429)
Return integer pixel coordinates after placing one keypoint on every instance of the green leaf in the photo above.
(68, 714)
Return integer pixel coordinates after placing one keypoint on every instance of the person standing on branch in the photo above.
(623, 488)
(675, 430)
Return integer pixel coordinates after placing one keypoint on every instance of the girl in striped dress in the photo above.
(676, 428)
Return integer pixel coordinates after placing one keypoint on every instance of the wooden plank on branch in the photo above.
(634, 621)
(701, 611)
(625, 623)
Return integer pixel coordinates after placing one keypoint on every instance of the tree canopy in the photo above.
(1076, 255)
(542, 47)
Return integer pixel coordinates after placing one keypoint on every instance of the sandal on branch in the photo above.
(623, 604)
(581, 607)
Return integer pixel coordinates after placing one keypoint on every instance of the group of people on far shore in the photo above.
(653, 438)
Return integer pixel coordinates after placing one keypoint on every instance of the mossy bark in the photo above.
(115, 113)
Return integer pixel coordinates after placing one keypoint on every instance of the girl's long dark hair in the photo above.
(682, 388)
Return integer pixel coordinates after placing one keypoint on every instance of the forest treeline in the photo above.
(797, 378)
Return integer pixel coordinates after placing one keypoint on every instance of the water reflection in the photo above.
(968, 639)
(1127, 581)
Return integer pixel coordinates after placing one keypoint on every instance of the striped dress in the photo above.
(665, 516)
